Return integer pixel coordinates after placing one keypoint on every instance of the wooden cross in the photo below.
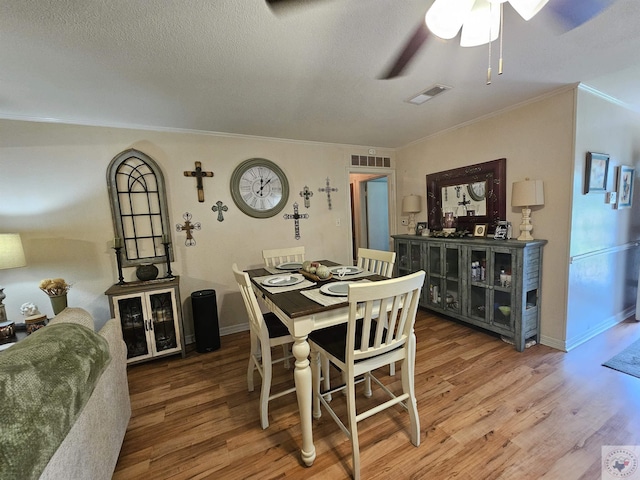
(306, 193)
(199, 174)
(219, 207)
(328, 189)
(187, 227)
(296, 217)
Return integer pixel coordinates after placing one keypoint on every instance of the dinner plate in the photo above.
(282, 280)
(290, 266)
(336, 289)
(345, 270)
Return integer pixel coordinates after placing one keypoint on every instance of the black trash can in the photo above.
(205, 320)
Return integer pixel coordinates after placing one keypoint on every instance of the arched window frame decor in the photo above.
(138, 207)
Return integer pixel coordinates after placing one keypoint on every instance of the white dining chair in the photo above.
(276, 256)
(266, 331)
(377, 261)
(380, 262)
(364, 344)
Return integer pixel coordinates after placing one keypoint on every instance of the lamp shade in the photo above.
(11, 252)
(527, 193)
(412, 204)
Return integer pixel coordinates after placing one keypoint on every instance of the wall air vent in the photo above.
(428, 94)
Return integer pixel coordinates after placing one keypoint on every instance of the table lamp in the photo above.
(527, 193)
(11, 256)
(411, 205)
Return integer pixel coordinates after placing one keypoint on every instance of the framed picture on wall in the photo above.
(624, 185)
(595, 174)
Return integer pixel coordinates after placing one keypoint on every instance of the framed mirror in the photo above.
(475, 194)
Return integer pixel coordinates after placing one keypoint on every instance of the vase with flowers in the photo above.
(56, 289)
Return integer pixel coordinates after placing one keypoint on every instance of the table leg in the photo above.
(302, 377)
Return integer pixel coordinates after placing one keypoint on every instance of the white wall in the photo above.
(537, 141)
(53, 191)
(604, 256)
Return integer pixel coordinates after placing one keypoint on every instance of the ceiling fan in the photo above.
(477, 21)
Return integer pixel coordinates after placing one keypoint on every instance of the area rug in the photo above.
(627, 361)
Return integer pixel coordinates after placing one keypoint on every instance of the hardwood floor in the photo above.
(486, 411)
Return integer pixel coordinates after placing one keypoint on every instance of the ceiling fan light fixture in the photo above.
(482, 24)
(528, 9)
(445, 17)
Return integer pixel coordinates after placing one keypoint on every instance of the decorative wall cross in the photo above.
(307, 194)
(188, 227)
(296, 217)
(199, 174)
(328, 189)
(219, 207)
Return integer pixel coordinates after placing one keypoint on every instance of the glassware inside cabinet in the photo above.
(133, 326)
(502, 308)
(163, 322)
(502, 270)
(478, 266)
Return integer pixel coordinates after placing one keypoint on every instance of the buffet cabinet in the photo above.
(151, 318)
(492, 284)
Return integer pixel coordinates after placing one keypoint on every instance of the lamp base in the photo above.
(525, 226)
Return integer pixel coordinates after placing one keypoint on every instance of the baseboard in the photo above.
(244, 327)
(572, 343)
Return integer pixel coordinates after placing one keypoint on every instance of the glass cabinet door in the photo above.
(502, 276)
(131, 312)
(452, 279)
(402, 257)
(478, 271)
(163, 323)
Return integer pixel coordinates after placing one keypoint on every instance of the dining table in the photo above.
(302, 315)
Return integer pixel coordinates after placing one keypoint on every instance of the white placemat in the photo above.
(305, 283)
(326, 300)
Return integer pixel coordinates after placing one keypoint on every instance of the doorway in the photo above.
(372, 209)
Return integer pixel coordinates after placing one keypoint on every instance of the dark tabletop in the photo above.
(293, 303)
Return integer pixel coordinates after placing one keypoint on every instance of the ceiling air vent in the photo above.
(428, 94)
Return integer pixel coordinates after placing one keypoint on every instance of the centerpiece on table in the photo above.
(56, 289)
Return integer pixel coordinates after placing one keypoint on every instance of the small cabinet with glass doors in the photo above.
(493, 284)
(150, 316)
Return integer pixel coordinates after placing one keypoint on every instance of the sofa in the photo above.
(64, 400)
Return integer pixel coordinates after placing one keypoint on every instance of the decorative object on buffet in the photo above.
(56, 289)
(306, 194)
(117, 248)
(624, 185)
(595, 173)
(421, 229)
(412, 204)
(35, 322)
(199, 174)
(296, 218)
(480, 230)
(527, 193)
(328, 189)
(166, 241)
(220, 207)
(28, 309)
(503, 230)
(188, 227)
(11, 256)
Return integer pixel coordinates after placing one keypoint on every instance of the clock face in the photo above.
(477, 191)
(259, 188)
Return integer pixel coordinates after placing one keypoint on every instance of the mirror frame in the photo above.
(493, 172)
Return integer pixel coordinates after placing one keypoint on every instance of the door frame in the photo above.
(356, 223)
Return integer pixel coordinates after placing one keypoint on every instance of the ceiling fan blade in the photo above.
(416, 40)
(572, 14)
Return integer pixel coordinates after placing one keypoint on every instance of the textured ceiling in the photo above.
(233, 66)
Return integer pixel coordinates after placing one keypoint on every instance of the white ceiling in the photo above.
(233, 66)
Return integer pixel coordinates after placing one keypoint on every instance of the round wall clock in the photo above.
(259, 188)
(477, 190)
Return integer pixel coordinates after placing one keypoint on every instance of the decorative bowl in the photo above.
(505, 310)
